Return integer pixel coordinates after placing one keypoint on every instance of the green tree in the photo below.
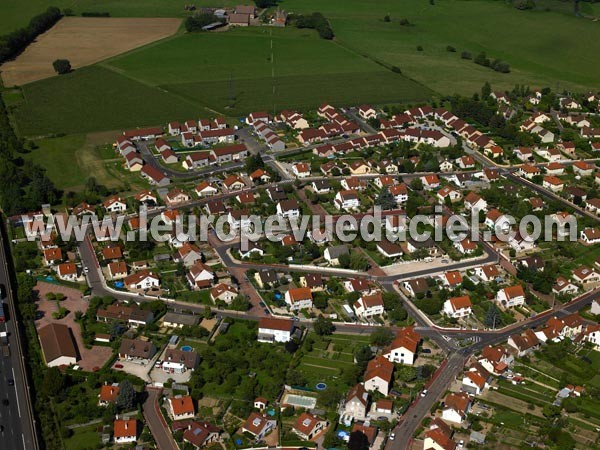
(493, 317)
(486, 90)
(362, 356)
(386, 200)
(323, 326)
(382, 337)
(358, 441)
(53, 382)
(127, 396)
(61, 66)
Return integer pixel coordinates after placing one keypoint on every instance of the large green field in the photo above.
(177, 78)
(96, 99)
(542, 48)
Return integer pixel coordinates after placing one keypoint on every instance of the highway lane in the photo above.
(16, 416)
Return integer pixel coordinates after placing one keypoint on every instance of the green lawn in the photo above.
(541, 47)
(83, 438)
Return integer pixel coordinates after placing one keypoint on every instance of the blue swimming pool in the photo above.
(186, 348)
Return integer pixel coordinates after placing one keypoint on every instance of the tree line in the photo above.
(13, 43)
(315, 21)
(25, 185)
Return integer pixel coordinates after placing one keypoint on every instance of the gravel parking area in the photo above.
(91, 358)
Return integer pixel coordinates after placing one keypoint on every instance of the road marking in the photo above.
(16, 394)
(23, 437)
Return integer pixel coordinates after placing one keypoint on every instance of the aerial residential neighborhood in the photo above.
(284, 225)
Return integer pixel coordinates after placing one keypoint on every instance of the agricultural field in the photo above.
(16, 13)
(83, 41)
(554, 56)
(95, 99)
(299, 71)
(257, 68)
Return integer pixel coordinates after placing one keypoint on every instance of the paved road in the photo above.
(16, 417)
(156, 422)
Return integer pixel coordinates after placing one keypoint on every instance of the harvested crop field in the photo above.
(84, 41)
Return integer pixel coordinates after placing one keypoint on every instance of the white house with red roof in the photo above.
(299, 298)
(475, 380)
(125, 431)
(379, 375)
(403, 348)
(181, 407)
(369, 305)
(511, 296)
(275, 330)
(457, 307)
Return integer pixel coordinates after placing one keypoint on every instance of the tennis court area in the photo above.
(300, 401)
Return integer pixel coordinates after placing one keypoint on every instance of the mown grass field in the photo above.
(543, 48)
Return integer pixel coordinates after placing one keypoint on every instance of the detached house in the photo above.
(356, 405)
(258, 425)
(200, 276)
(224, 293)
(511, 296)
(299, 298)
(474, 202)
(379, 375)
(142, 280)
(125, 431)
(275, 330)
(301, 170)
(457, 307)
(347, 200)
(456, 407)
(369, 305)
(308, 426)
(403, 348)
(188, 254)
(524, 343)
(495, 359)
(181, 407)
(115, 204)
(475, 380)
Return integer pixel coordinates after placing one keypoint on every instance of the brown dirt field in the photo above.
(84, 41)
(90, 358)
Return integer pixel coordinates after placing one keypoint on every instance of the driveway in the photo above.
(91, 358)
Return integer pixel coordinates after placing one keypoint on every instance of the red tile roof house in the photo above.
(108, 394)
(258, 425)
(379, 375)
(154, 176)
(369, 305)
(117, 270)
(205, 189)
(125, 431)
(52, 256)
(181, 407)
(274, 330)
(200, 434)
(475, 380)
(188, 254)
(67, 271)
(456, 407)
(308, 426)
(200, 276)
(142, 280)
(299, 298)
(403, 348)
(524, 343)
(457, 307)
(223, 292)
(511, 296)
